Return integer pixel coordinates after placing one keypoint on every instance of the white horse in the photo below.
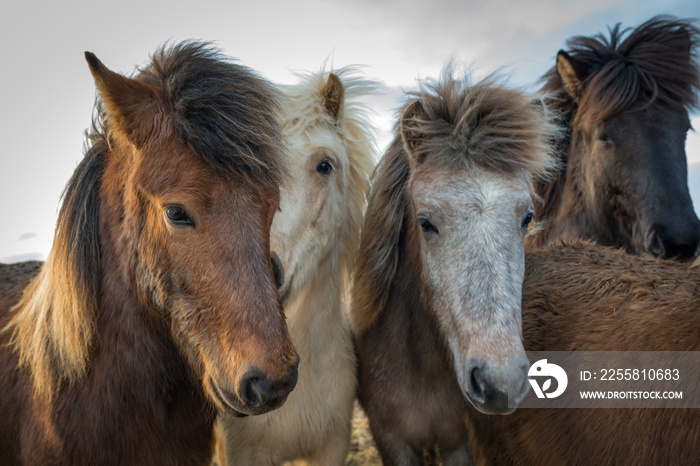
(315, 235)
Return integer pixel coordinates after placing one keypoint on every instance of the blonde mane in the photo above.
(305, 110)
(53, 324)
(462, 125)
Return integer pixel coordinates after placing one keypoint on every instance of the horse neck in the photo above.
(319, 326)
(136, 398)
(122, 317)
(318, 308)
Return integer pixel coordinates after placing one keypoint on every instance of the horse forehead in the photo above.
(657, 117)
(480, 188)
(320, 134)
(186, 177)
(645, 122)
(177, 168)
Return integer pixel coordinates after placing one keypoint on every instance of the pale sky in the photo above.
(47, 93)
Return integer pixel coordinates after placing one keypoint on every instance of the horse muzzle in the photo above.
(494, 390)
(255, 393)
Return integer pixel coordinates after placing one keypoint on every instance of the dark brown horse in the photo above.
(157, 305)
(436, 298)
(625, 101)
(585, 297)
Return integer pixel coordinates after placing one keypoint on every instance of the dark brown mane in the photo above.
(656, 62)
(230, 126)
(485, 124)
(377, 257)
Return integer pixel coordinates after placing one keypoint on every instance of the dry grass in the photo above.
(363, 452)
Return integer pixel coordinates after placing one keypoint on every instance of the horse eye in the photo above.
(427, 226)
(324, 167)
(604, 138)
(527, 219)
(177, 215)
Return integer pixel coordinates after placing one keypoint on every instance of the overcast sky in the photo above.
(48, 93)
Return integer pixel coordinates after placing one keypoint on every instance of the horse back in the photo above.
(13, 279)
(13, 384)
(586, 297)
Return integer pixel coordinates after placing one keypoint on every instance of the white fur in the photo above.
(314, 234)
(475, 265)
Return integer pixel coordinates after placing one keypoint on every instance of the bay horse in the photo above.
(624, 100)
(315, 235)
(157, 305)
(436, 296)
(581, 296)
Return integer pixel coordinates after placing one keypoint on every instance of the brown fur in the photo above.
(121, 346)
(584, 297)
(624, 101)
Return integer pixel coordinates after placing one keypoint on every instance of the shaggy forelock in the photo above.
(223, 110)
(627, 71)
(484, 124)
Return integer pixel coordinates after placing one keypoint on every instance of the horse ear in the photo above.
(571, 73)
(131, 105)
(333, 96)
(410, 132)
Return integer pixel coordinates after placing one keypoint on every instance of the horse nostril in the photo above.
(674, 243)
(255, 389)
(491, 396)
(277, 270)
(654, 243)
(476, 383)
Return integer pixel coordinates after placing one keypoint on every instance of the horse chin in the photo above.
(283, 291)
(502, 407)
(227, 401)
